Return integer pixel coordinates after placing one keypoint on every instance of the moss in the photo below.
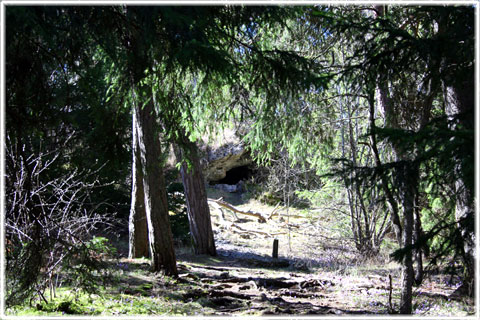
(62, 306)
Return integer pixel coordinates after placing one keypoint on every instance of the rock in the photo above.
(230, 187)
(224, 158)
(219, 152)
(223, 151)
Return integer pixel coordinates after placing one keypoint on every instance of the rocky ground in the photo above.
(317, 271)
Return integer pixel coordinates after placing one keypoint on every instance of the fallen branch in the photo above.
(291, 216)
(195, 266)
(255, 231)
(291, 225)
(228, 206)
(274, 211)
(222, 213)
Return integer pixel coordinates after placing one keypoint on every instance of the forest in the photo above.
(239, 160)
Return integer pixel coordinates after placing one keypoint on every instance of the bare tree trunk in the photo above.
(394, 216)
(160, 236)
(137, 223)
(417, 233)
(460, 102)
(406, 180)
(433, 86)
(159, 231)
(196, 196)
(407, 186)
(391, 121)
(407, 183)
(353, 216)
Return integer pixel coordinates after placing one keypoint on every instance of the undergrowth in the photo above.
(104, 304)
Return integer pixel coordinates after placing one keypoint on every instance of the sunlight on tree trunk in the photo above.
(159, 231)
(137, 224)
(196, 197)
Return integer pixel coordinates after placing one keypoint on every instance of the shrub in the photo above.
(49, 220)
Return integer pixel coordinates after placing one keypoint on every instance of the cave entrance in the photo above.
(235, 175)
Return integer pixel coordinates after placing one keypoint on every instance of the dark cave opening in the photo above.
(234, 175)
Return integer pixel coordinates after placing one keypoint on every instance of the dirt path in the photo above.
(232, 289)
(315, 274)
(266, 286)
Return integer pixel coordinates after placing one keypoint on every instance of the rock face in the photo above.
(224, 158)
(219, 154)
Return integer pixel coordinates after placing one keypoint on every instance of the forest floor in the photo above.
(317, 272)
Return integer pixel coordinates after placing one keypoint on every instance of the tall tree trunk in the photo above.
(459, 91)
(346, 180)
(460, 104)
(196, 196)
(387, 108)
(433, 87)
(137, 222)
(417, 233)
(407, 181)
(407, 185)
(159, 231)
(407, 177)
(160, 236)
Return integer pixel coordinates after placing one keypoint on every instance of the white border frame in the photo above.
(4, 3)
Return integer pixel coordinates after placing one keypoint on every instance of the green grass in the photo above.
(359, 283)
(106, 304)
(134, 290)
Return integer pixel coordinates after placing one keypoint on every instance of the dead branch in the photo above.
(222, 213)
(291, 225)
(228, 206)
(295, 216)
(242, 230)
(274, 211)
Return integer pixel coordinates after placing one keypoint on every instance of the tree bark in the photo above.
(137, 223)
(458, 83)
(196, 196)
(160, 236)
(417, 233)
(387, 108)
(407, 177)
(407, 195)
(394, 216)
(460, 105)
(159, 231)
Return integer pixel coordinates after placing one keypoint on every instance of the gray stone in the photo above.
(228, 187)
(228, 156)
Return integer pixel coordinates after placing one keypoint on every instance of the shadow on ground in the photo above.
(231, 290)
